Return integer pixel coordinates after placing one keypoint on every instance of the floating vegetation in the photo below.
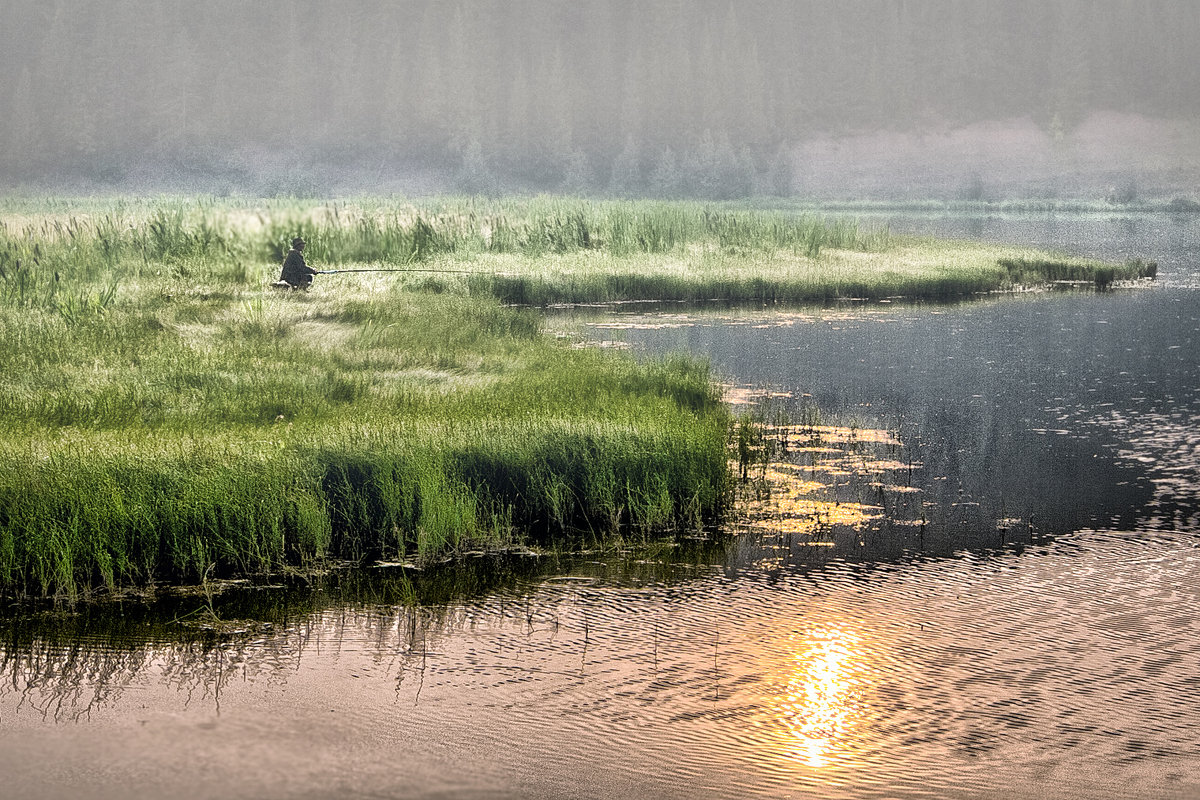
(797, 493)
(747, 396)
(807, 435)
(786, 513)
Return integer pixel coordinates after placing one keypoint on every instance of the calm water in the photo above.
(971, 570)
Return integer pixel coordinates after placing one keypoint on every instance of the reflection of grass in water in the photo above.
(67, 665)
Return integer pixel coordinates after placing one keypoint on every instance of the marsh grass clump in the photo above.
(1038, 270)
(1142, 269)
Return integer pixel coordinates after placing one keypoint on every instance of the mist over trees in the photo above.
(706, 98)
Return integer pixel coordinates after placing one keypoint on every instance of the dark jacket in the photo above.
(295, 271)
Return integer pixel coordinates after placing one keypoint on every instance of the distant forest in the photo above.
(672, 97)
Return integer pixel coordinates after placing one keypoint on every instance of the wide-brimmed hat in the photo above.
(297, 242)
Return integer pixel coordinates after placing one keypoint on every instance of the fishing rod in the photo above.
(407, 269)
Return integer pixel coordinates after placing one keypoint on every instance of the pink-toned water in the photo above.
(1070, 670)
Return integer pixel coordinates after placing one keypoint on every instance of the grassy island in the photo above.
(165, 415)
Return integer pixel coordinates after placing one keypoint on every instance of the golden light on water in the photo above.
(791, 508)
(826, 484)
(815, 484)
(817, 705)
(812, 517)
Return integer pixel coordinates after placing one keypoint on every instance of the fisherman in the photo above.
(296, 274)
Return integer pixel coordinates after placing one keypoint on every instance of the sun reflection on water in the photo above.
(817, 705)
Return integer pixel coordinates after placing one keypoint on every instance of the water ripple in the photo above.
(1072, 669)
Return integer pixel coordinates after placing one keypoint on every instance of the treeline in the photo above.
(696, 98)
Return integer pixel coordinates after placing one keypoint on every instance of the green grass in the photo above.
(164, 416)
(300, 427)
(918, 269)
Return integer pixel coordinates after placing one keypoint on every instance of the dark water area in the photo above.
(1048, 413)
(971, 568)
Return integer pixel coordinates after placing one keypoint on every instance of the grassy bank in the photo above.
(165, 416)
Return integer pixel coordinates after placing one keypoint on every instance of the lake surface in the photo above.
(970, 569)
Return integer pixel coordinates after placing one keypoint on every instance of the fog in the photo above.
(854, 99)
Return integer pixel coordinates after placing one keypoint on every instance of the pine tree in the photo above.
(666, 180)
(626, 179)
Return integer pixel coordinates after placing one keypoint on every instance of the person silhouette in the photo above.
(296, 274)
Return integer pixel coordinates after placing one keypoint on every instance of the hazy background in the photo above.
(864, 99)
